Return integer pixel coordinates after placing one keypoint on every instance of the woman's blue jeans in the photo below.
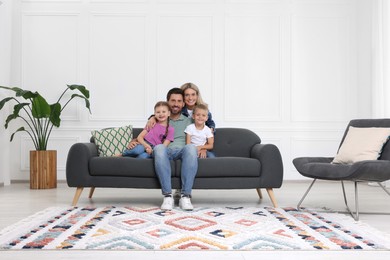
(189, 166)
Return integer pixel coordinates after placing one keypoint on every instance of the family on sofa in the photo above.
(179, 147)
(173, 136)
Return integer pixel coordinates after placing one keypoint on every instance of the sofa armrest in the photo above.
(271, 164)
(77, 164)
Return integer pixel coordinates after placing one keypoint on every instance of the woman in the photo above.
(192, 97)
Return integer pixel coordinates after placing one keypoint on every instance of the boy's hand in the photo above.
(202, 153)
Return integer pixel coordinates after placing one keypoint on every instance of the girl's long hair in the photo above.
(163, 104)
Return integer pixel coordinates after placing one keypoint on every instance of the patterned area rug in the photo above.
(225, 228)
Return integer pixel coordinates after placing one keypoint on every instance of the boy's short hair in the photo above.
(201, 106)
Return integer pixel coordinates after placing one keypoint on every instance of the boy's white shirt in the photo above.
(198, 137)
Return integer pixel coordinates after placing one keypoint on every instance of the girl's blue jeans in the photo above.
(138, 151)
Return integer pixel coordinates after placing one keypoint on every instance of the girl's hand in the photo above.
(132, 144)
(151, 122)
(148, 149)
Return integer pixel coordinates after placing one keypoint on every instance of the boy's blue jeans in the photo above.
(189, 166)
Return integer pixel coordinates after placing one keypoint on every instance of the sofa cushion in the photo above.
(112, 141)
(122, 166)
(225, 167)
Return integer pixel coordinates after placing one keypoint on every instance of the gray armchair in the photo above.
(362, 171)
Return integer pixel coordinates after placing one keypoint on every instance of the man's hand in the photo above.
(151, 122)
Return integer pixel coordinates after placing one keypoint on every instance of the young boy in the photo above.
(199, 134)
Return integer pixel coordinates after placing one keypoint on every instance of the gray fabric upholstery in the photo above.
(371, 170)
(242, 162)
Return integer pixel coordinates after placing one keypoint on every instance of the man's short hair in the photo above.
(175, 91)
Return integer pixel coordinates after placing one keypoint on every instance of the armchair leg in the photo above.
(271, 195)
(76, 197)
(304, 195)
(381, 185)
(356, 214)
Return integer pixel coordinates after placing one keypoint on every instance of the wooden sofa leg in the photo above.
(76, 197)
(272, 197)
(91, 192)
(259, 193)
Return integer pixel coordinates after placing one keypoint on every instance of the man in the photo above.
(177, 150)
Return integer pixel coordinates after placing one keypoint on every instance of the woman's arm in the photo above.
(210, 122)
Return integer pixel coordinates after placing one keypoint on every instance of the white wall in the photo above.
(5, 73)
(293, 71)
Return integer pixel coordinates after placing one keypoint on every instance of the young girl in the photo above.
(161, 133)
(192, 98)
(199, 134)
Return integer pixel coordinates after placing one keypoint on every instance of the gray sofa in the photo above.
(242, 162)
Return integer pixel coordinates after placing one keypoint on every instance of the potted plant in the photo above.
(40, 117)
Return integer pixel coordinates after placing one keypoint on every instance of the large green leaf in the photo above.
(40, 108)
(15, 114)
(81, 88)
(5, 100)
(87, 104)
(26, 94)
(19, 130)
(55, 118)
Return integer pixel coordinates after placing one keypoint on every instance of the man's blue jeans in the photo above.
(189, 166)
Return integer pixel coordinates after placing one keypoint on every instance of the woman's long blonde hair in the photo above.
(194, 87)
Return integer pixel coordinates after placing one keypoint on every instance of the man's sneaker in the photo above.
(185, 203)
(167, 203)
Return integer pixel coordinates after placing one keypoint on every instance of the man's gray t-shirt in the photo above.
(180, 137)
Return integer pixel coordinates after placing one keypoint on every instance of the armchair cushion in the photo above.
(362, 144)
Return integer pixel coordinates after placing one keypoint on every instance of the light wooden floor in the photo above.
(17, 201)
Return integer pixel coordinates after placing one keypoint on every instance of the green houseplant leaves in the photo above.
(37, 114)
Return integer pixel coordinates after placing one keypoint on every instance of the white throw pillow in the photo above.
(362, 143)
(112, 141)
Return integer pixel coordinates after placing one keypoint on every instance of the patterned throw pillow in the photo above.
(112, 141)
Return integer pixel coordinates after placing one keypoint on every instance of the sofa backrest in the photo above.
(236, 142)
